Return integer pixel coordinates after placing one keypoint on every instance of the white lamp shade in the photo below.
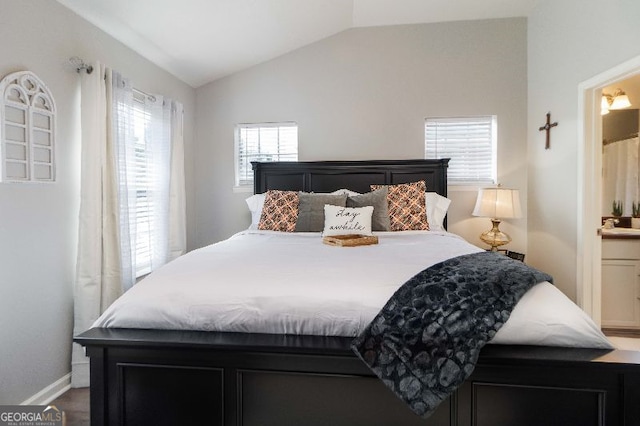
(498, 203)
(604, 105)
(620, 101)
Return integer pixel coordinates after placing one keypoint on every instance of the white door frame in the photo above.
(589, 242)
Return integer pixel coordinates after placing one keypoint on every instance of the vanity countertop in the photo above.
(621, 233)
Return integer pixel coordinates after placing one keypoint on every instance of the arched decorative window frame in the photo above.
(27, 129)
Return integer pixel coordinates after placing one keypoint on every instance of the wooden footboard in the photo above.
(156, 377)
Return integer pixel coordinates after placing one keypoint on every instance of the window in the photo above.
(470, 142)
(263, 142)
(141, 215)
(146, 146)
(143, 171)
(27, 127)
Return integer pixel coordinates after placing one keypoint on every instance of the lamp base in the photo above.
(495, 237)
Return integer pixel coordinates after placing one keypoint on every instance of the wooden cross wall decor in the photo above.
(548, 127)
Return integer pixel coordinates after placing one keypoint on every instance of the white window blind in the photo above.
(263, 142)
(470, 143)
(141, 216)
(143, 126)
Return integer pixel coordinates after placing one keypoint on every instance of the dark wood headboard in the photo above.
(327, 176)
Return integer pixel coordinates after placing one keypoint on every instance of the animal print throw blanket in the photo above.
(426, 340)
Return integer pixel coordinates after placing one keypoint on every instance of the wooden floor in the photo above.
(75, 404)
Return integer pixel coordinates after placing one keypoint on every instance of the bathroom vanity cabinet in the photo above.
(621, 283)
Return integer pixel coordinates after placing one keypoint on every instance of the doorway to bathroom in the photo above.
(591, 199)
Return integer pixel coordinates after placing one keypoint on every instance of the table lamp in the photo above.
(497, 203)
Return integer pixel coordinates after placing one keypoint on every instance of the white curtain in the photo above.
(164, 163)
(98, 269)
(121, 131)
(107, 230)
(620, 181)
(177, 199)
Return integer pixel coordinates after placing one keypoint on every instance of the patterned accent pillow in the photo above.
(280, 211)
(407, 209)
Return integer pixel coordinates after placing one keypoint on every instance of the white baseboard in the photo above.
(51, 392)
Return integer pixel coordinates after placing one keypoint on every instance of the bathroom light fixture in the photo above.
(619, 100)
(497, 203)
(604, 105)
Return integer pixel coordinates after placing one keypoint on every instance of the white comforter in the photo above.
(274, 282)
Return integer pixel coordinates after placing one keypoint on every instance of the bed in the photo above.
(142, 373)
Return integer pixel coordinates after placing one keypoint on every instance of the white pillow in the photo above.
(255, 203)
(544, 316)
(437, 207)
(347, 220)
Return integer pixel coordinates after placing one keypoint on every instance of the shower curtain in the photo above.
(620, 175)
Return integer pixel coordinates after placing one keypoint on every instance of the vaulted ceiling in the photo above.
(200, 41)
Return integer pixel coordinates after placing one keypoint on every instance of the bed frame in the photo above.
(159, 377)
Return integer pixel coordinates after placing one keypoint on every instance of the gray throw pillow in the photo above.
(311, 210)
(378, 199)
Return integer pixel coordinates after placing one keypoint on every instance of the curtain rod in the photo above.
(620, 139)
(145, 94)
(80, 65)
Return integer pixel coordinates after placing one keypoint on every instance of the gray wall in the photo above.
(569, 41)
(39, 222)
(364, 94)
